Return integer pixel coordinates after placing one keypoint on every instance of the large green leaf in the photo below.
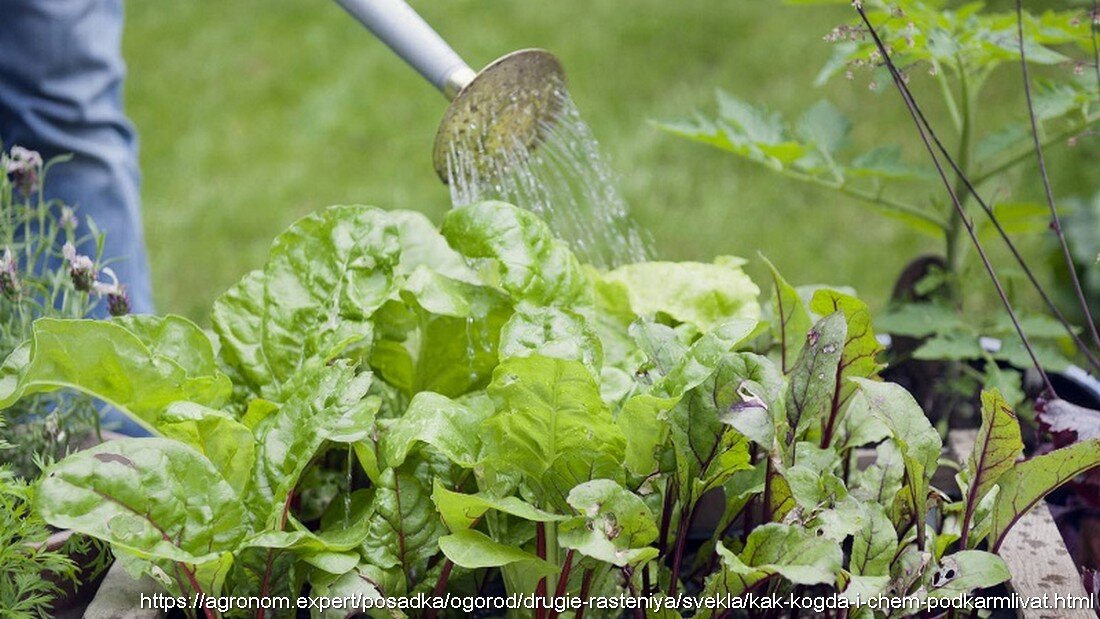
(551, 332)
(532, 265)
(138, 372)
(1022, 487)
(791, 552)
(450, 427)
(324, 277)
(616, 526)
(964, 572)
(154, 497)
(996, 449)
(702, 295)
(237, 318)
(226, 442)
(551, 426)
(874, 544)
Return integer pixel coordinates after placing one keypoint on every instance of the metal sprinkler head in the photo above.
(509, 105)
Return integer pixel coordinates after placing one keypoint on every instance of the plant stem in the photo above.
(540, 550)
(1055, 223)
(441, 584)
(955, 247)
(872, 198)
(563, 579)
(586, 585)
(1022, 156)
(686, 516)
(271, 553)
(666, 518)
(925, 131)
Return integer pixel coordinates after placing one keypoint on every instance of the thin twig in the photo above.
(1055, 223)
(912, 107)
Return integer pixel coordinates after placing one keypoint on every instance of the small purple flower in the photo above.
(81, 268)
(9, 275)
(67, 220)
(25, 168)
(118, 302)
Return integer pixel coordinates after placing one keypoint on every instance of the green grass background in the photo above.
(253, 113)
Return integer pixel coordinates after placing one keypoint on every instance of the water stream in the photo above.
(566, 180)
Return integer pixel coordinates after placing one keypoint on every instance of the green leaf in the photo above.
(532, 265)
(965, 571)
(996, 449)
(237, 318)
(460, 511)
(156, 498)
(616, 525)
(227, 443)
(136, 373)
(448, 426)
(793, 553)
(404, 529)
(859, 357)
(792, 319)
(552, 332)
(328, 403)
(323, 279)
(824, 126)
(550, 426)
(474, 550)
(1029, 481)
(702, 295)
(813, 381)
(874, 544)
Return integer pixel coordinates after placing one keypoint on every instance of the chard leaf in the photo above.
(551, 332)
(450, 427)
(227, 443)
(474, 550)
(699, 294)
(324, 277)
(642, 423)
(404, 529)
(533, 265)
(860, 349)
(792, 319)
(1029, 481)
(917, 440)
(237, 318)
(813, 381)
(996, 449)
(874, 545)
(154, 497)
(793, 553)
(551, 426)
(135, 372)
(616, 525)
(461, 511)
(328, 403)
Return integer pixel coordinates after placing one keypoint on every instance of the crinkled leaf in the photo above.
(405, 528)
(451, 428)
(532, 265)
(227, 443)
(551, 332)
(550, 425)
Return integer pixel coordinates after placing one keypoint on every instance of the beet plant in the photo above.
(500, 418)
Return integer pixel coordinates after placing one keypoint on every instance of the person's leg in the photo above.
(61, 73)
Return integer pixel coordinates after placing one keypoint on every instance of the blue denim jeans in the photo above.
(61, 73)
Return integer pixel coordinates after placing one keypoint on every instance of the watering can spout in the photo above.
(507, 105)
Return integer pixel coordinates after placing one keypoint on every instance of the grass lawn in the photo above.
(253, 113)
